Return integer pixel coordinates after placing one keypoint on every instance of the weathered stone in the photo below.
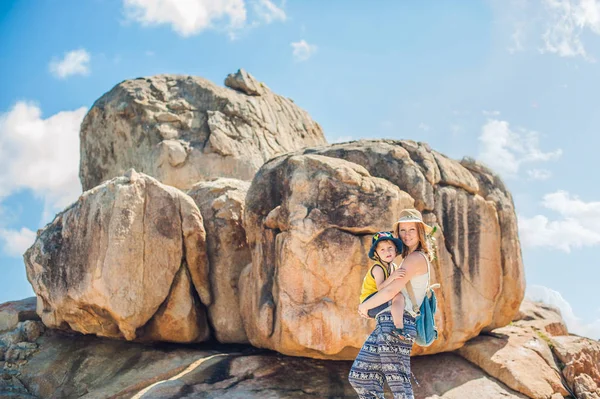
(185, 129)
(492, 188)
(12, 337)
(471, 273)
(449, 376)
(581, 359)
(179, 318)
(386, 159)
(20, 351)
(107, 264)
(475, 272)
(308, 222)
(541, 317)
(222, 202)
(454, 174)
(520, 358)
(32, 330)
(11, 313)
(244, 82)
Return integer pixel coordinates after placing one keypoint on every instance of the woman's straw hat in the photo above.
(411, 215)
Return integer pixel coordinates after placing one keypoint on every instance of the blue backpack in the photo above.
(425, 314)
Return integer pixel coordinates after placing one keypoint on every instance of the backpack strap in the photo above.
(413, 300)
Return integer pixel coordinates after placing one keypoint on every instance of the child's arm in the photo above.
(378, 276)
(398, 273)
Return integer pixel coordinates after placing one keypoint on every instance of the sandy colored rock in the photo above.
(11, 313)
(222, 203)
(518, 357)
(309, 239)
(389, 160)
(581, 359)
(107, 265)
(541, 317)
(185, 129)
(473, 267)
(449, 376)
(492, 188)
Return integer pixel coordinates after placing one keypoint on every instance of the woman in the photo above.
(385, 355)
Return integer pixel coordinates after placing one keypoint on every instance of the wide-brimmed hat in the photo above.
(383, 236)
(411, 215)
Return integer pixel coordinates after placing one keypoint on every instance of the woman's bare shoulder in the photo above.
(416, 260)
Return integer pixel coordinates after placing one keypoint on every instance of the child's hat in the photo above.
(411, 215)
(383, 236)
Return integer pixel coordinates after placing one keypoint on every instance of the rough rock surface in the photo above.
(185, 129)
(11, 313)
(65, 365)
(306, 218)
(221, 203)
(519, 354)
(542, 317)
(449, 376)
(127, 260)
(308, 221)
(581, 360)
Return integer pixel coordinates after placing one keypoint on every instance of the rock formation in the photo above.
(61, 365)
(127, 260)
(185, 129)
(222, 203)
(309, 216)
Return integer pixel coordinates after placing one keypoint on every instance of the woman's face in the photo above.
(409, 234)
(386, 250)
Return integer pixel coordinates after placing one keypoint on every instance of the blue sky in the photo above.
(511, 83)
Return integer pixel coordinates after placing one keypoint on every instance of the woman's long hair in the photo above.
(425, 243)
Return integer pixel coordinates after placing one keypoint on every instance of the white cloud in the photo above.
(567, 20)
(505, 150)
(552, 26)
(575, 325)
(268, 11)
(539, 174)
(76, 62)
(578, 225)
(187, 17)
(16, 242)
(40, 154)
(424, 126)
(302, 50)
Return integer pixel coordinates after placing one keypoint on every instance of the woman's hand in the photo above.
(362, 310)
(398, 273)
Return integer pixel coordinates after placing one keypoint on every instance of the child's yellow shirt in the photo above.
(369, 285)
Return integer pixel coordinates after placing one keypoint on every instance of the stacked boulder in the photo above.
(278, 261)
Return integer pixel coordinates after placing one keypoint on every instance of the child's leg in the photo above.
(398, 310)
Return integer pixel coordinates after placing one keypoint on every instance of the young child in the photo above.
(384, 249)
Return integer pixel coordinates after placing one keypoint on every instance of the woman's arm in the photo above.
(395, 275)
(412, 265)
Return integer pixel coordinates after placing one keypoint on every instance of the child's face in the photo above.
(386, 250)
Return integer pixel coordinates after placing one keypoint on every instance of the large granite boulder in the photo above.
(127, 260)
(221, 203)
(308, 221)
(185, 129)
